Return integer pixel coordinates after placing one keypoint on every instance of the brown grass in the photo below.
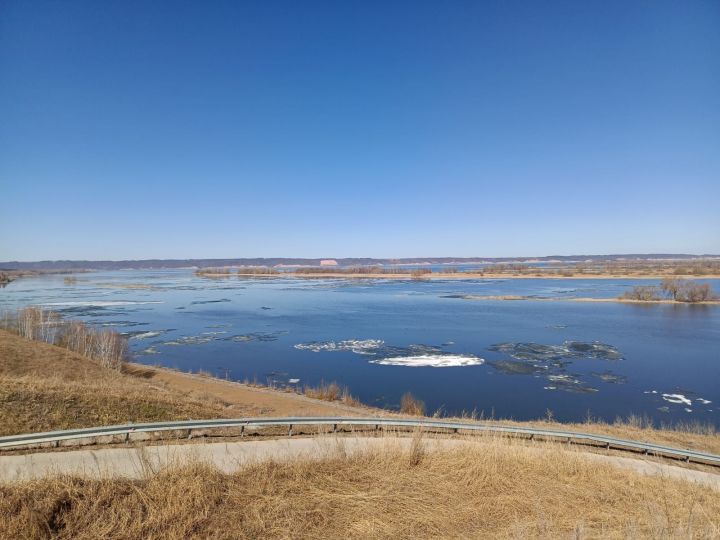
(409, 404)
(44, 387)
(331, 392)
(495, 490)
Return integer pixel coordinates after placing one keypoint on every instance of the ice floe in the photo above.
(416, 355)
(431, 360)
(358, 346)
(551, 361)
(146, 335)
(568, 349)
(677, 398)
(102, 303)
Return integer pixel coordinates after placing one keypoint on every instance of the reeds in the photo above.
(214, 271)
(105, 346)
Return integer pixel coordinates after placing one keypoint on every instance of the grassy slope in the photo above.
(43, 387)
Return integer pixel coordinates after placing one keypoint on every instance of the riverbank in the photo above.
(44, 388)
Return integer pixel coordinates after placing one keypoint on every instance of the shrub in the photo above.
(107, 347)
(409, 404)
(643, 293)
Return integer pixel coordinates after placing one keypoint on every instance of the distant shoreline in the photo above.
(585, 299)
(459, 275)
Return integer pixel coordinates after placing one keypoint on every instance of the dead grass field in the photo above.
(499, 490)
(44, 387)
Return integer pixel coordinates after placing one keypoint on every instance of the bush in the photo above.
(643, 293)
(107, 347)
(409, 404)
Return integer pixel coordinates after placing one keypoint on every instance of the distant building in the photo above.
(328, 262)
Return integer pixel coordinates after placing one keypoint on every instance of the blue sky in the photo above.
(359, 128)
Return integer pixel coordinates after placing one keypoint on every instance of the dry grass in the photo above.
(45, 387)
(495, 490)
(331, 392)
(409, 404)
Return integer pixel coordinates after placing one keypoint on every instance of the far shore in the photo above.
(563, 299)
(461, 276)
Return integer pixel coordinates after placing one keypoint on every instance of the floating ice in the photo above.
(704, 401)
(610, 377)
(147, 335)
(516, 367)
(103, 303)
(358, 346)
(688, 410)
(677, 398)
(431, 360)
(199, 302)
(256, 336)
(293, 381)
(190, 340)
(569, 349)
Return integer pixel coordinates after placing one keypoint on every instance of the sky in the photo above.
(361, 128)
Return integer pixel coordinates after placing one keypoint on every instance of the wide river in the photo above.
(381, 338)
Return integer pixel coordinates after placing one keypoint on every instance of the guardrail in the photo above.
(126, 431)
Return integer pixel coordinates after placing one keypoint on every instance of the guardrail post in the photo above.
(290, 430)
(334, 428)
(456, 431)
(242, 431)
(189, 435)
(127, 437)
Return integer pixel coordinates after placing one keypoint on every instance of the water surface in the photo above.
(381, 338)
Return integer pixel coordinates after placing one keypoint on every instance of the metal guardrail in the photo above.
(126, 430)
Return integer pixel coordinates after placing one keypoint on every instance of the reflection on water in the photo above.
(383, 338)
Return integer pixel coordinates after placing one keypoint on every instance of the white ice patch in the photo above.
(293, 381)
(688, 410)
(677, 398)
(146, 335)
(704, 401)
(358, 346)
(431, 360)
(103, 303)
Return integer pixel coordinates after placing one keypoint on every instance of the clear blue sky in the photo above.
(358, 128)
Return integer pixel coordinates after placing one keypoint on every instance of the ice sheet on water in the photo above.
(551, 361)
(358, 346)
(256, 336)
(415, 355)
(101, 303)
(220, 301)
(145, 335)
(431, 360)
(568, 349)
(677, 398)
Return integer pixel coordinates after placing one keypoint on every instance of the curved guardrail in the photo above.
(127, 430)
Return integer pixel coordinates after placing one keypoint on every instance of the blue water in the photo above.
(248, 329)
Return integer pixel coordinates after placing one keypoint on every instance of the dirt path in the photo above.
(140, 461)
